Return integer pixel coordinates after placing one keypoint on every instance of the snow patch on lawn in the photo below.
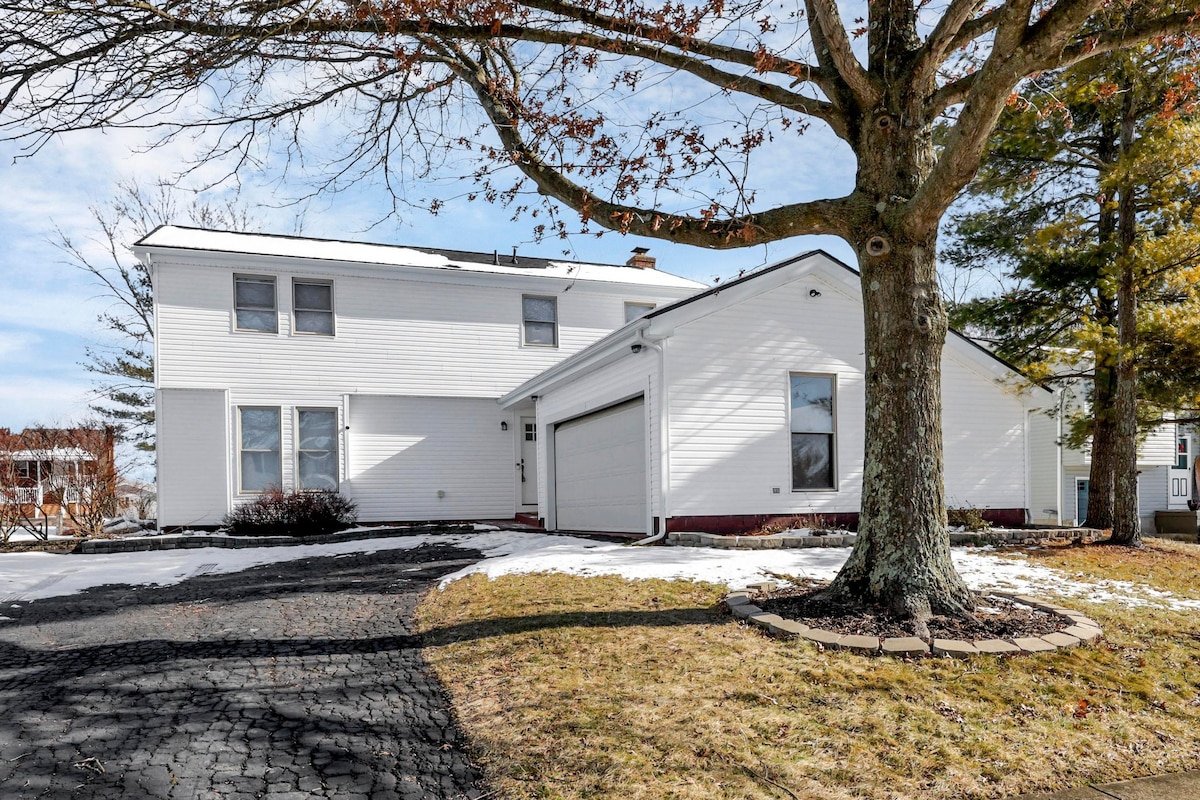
(32, 576)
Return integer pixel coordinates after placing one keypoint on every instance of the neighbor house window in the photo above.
(254, 303)
(540, 317)
(316, 448)
(637, 310)
(1181, 453)
(812, 431)
(261, 464)
(312, 303)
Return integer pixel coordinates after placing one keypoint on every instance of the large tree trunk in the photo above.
(1126, 523)
(1102, 475)
(901, 559)
(1104, 453)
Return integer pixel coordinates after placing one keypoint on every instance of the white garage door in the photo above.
(600, 470)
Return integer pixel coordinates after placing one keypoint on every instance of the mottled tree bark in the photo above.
(1103, 466)
(901, 559)
(1126, 524)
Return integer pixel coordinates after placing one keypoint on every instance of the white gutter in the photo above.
(664, 438)
(1058, 450)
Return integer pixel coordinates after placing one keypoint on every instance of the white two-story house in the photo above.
(371, 369)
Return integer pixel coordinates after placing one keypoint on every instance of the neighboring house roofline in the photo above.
(656, 325)
(183, 239)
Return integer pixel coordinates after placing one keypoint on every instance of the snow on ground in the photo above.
(31, 576)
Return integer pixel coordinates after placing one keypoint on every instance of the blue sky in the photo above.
(48, 315)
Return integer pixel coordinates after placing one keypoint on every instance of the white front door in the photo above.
(1180, 477)
(528, 465)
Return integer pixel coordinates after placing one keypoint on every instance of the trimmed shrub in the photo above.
(970, 519)
(279, 513)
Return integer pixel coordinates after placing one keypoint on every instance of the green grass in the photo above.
(604, 688)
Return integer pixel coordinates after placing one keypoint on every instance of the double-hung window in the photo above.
(812, 432)
(254, 303)
(540, 321)
(260, 449)
(316, 448)
(312, 304)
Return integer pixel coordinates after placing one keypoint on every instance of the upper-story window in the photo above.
(540, 321)
(636, 310)
(812, 431)
(312, 304)
(254, 303)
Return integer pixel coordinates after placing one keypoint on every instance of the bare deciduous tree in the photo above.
(643, 118)
(124, 369)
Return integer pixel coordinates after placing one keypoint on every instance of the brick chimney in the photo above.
(640, 260)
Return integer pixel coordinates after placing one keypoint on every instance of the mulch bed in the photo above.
(994, 617)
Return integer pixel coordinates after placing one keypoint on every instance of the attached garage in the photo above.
(600, 470)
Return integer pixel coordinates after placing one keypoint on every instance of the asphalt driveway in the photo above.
(292, 680)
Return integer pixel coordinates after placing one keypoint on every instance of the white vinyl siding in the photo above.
(729, 426)
(1159, 447)
(192, 457)
(393, 336)
(1046, 507)
(254, 299)
(983, 433)
(312, 307)
(421, 458)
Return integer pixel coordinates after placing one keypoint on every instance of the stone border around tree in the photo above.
(1077, 630)
(996, 536)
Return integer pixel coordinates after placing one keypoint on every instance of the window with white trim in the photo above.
(259, 449)
(317, 449)
(637, 310)
(812, 432)
(312, 307)
(539, 321)
(254, 303)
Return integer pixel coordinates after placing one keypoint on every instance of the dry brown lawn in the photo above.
(604, 688)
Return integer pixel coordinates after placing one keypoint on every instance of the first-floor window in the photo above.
(812, 431)
(316, 451)
(260, 437)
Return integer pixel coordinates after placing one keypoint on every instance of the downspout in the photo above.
(664, 463)
(1058, 451)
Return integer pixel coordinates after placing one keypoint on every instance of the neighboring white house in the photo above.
(747, 401)
(372, 369)
(1166, 469)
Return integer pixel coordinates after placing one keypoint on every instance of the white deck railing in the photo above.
(36, 495)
